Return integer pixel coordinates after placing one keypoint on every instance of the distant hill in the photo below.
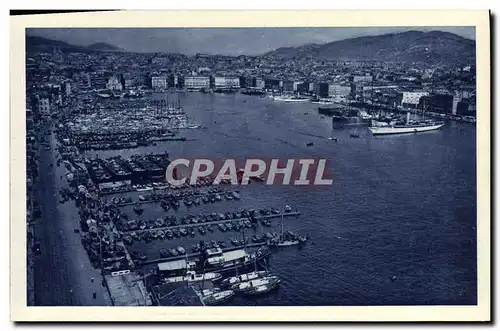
(35, 43)
(412, 46)
(104, 47)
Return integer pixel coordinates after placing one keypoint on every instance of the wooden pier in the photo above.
(172, 227)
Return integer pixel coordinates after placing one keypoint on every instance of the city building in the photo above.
(226, 82)
(67, 88)
(302, 88)
(362, 78)
(98, 80)
(321, 90)
(260, 83)
(196, 82)
(287, 86)
(439, 103)
(456, 100)
(272, 84)
(44, 106)
(338, 91)
(114, 83)
(159, 83)
(296, 85)
(410, 99)
(463, 108)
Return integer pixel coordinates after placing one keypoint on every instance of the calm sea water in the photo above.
(402, 206)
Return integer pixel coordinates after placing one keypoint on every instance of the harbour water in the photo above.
(397, 227)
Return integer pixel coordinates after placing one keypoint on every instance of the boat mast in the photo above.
(282, 216)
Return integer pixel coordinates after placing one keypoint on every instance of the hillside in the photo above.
(104, 47)
(35, 43)
(412, 46)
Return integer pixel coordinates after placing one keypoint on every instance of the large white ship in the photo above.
(408, 127)
(290, 98)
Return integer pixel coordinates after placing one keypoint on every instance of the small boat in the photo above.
(164, 252)
(159, 222)
(165, 205)
(138, 209)
(183, 231)
(161, 234)
(218, 197)
(229, 226)
(236, 195)
(235, 242)
(261, 289)
(285, 243)
(181, 250)
(243, 278)
(309, 144)
(249, 286)
(192, 277)
(202, 231)
(169, 234)
(288, 209)
(222, 227)
(333, 139)
(218, 297)
(354, 135)
(173, 252)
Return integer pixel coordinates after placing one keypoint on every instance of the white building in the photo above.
(365, 78)
(44, 106)
(196, 82)
(67, 88)
(159, 83)
(296, 84)
(260, 83)
(226, 82)
(311, 87)
(456, 100)
(114, 83)
(411, 99)
(338, 91)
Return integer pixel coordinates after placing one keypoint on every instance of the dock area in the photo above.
(175, 295)
(257, 218)
(124, 290)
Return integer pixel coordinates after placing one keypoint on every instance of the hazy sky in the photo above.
(231, 41)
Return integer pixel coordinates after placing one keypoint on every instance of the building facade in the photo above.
(226, 82)
(412, 99)
(196, 82)
(159, 83)
(338, 91)
(44, 106)
(114, 83)
(260, 83)
(362, 78)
